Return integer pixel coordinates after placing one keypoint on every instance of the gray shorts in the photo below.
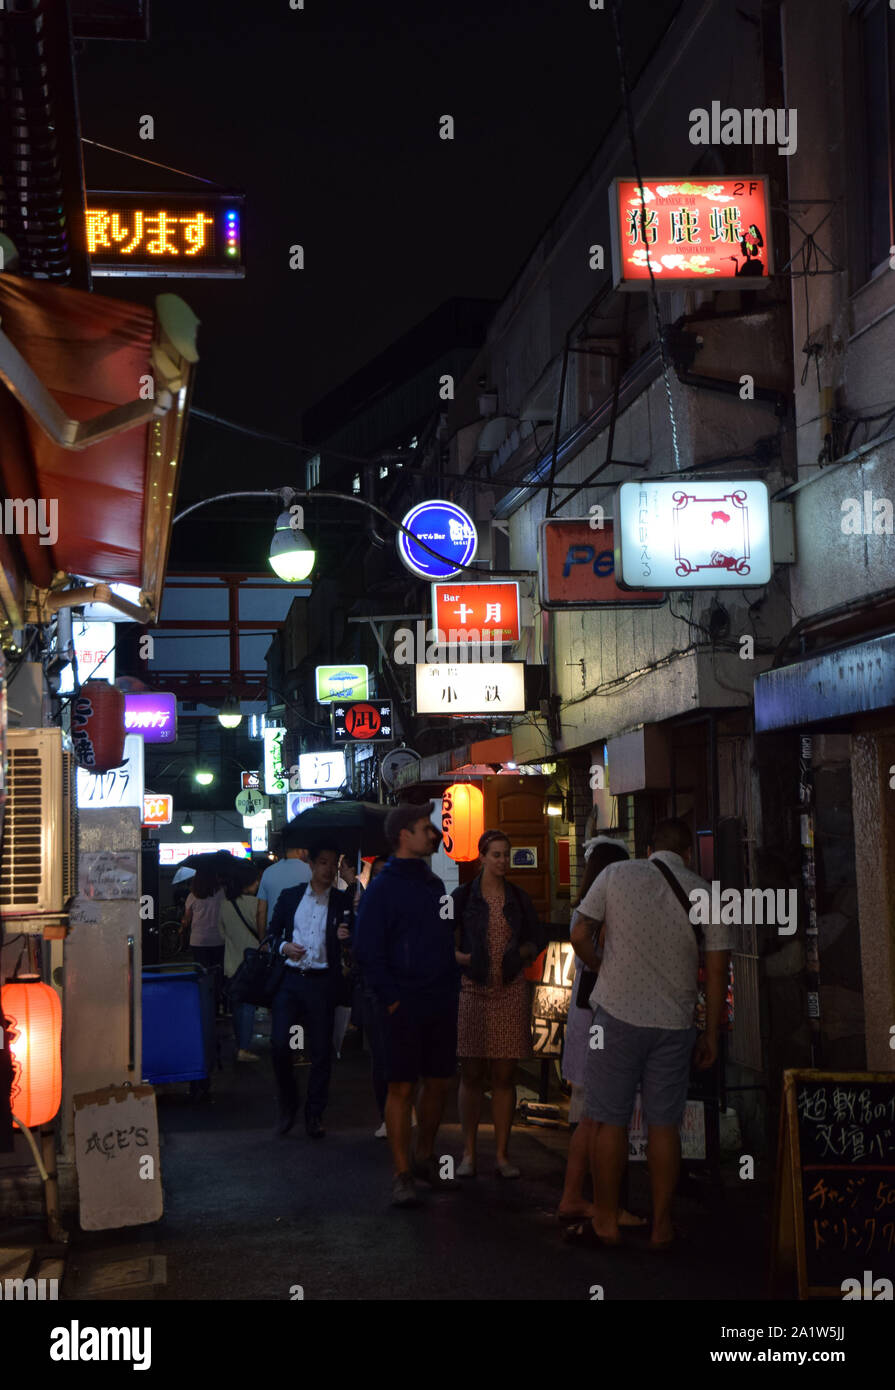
(659, 1058)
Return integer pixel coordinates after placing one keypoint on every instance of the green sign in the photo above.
(342, 683)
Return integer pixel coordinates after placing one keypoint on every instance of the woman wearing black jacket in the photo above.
(497, 934)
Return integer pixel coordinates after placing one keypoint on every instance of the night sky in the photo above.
(327, 119)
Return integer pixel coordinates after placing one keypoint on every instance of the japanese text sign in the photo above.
(495, 687)
(151, 714)
(691, 232)
(693, 535)
(577, 568)
(321, 771)
(487, 612)
(167, 234)
(276, 778)
(363, 721)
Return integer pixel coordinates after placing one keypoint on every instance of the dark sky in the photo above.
(327, 119)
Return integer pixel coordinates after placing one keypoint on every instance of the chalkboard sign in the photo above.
(835, 1204)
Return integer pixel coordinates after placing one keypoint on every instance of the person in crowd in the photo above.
(598, 852)
(497, 935)
(239, 916)
(309, 924)
(290, 872)
(202, 919)
(645, 997)
(405, 947)
(374, 1032)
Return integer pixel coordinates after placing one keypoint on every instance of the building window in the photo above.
(312, 472)
(874, 75)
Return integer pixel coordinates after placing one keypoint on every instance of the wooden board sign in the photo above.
(834, 1209)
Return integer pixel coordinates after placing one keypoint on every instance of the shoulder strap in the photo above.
(238, 911)
(679, 893)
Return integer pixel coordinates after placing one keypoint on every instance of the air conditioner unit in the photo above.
(38, 872)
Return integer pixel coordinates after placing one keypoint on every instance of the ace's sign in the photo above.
(576, 567)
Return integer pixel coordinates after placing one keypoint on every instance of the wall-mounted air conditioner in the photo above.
(38, 871)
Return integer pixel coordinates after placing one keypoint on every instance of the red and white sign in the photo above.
(173, 852)
(691, 231)
(251, 781)
(576, 566)
(490, 612)
(157, 810)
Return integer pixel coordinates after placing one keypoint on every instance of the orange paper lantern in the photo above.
(97, 726)
(462, 821)
(33, 1034)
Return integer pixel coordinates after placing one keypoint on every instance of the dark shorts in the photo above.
(420, 1040)
(657, 1057)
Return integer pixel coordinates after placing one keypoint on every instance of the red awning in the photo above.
(95, 357)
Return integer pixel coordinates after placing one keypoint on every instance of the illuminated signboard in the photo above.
(276, 776)
(165, 234)
(123, 786)
(152, 715)
(693, 232)
(157, 809)
(576, 568)
(251, 781)
(173, 852)
(489, 612)
(447, 530)
(693, 535)
(296, 802)
(321, 771)
(342, 683)
(490, 687)
(363, 721)
(94, 645)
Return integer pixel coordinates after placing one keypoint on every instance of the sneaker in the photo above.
(404, 1191)
(381, 1132)
(243, 1056)
(426, 1170)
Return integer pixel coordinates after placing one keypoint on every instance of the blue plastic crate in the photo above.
(178, 1024)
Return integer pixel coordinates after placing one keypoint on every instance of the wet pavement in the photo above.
(253, 1216)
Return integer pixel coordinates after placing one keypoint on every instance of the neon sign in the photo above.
(164, 234)
(691, 232)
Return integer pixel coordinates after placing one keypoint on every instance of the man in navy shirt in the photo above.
(404, 943)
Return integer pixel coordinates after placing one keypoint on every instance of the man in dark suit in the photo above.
(310, 922)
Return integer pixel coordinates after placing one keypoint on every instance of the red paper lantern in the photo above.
(33, 1034)
(462, 821)
(97, 726)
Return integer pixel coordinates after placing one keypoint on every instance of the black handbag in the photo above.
(259, 977)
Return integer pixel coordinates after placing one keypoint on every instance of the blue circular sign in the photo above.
(447, 529)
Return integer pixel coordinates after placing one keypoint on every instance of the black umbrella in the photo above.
(223, 865)
(355, 827)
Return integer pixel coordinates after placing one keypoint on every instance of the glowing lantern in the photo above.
(33, 1034)
(462, 821)
(97, 726)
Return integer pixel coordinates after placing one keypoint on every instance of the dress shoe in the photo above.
(285, 1119)
(314, 1129)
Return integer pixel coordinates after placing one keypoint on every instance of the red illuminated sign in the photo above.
(577, 568)
(488, 612)
(157, 810)
(690, 231)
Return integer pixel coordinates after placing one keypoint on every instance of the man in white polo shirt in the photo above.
(645, 997)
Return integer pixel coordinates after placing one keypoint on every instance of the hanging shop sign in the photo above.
(363, 721)
(97, 726)
(576, 568)
(122, 786)
(392, 763)
(447, 530)
(496, 687)
(690, 232)
(349, 682)
(94, 645)
(165, 234)
(462, 821)
(693, 535)
(296, 802)
(321, 771)
(477, 612)
(157, 809)
(250, 803)
(151, 714)
(276, 775)
(251, 781)
(173, 852)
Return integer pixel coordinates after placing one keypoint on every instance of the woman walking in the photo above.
(202, 919)
(497, 934)
(239, 928)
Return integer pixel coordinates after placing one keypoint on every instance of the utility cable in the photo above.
(154, 162)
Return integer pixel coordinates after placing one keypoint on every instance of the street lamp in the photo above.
(230, 714)
(291, 556)
(186, 825)
(204, 779)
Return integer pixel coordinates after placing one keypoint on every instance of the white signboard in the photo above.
(296, 802)
(321, 771)
(259, 835)
(173, 852)
(491, 687)
(692, 535)
(116, 1149)
(91, 642)
(123, 786)
(276, 776)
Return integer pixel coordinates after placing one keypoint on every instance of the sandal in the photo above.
(586, 1238)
